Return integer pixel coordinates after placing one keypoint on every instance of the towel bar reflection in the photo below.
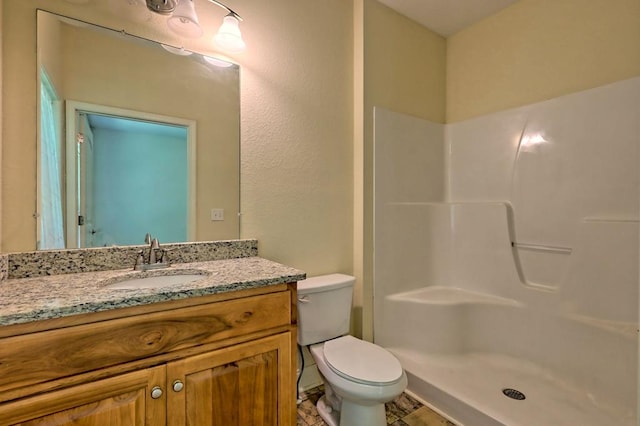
(542, 248)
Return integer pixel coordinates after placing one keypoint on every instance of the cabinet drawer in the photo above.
(48, 355)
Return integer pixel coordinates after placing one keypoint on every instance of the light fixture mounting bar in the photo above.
(228, 9)
(162, 7)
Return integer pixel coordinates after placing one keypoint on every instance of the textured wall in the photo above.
(1, 131)
(540, 49)
(297, 160)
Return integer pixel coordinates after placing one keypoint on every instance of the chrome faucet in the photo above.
(154, 261)
(153, 246)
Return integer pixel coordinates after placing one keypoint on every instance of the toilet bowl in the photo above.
(359, 377)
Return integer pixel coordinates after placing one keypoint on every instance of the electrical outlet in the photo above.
(217, 214)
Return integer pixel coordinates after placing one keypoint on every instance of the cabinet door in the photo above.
(120, 400)
(249, 384)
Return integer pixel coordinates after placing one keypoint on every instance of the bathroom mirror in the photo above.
(99, 90)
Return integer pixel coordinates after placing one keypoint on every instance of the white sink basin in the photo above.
(157, 281)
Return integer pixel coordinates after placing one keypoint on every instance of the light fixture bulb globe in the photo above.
(228, 37)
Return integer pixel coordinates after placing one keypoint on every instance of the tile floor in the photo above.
(403, 411)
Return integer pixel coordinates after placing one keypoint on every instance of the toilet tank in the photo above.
(324, 307)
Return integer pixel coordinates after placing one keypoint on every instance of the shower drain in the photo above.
(513, 394)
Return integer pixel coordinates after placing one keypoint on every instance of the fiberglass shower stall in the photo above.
(506, 259)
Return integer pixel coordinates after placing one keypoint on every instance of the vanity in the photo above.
(218, 350)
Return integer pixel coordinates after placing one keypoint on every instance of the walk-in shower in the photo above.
(511, 295)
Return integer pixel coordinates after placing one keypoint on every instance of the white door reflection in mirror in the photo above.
(50, 182)
(128, 171)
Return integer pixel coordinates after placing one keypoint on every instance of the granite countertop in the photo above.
(24, 300)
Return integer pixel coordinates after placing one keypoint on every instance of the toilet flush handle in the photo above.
(304, 299)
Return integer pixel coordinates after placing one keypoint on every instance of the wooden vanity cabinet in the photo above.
(245, 378)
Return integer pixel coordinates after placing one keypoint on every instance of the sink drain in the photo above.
(513, 394)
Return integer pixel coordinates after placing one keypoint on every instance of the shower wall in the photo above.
(409, 168)
(567, 169)
(560, 163)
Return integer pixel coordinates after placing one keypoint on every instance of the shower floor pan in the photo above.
(469, 388)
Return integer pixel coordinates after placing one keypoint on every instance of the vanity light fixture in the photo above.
(183, 21)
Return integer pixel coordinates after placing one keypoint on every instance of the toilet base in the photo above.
(356, 415)
(329, 415)
(351, 414)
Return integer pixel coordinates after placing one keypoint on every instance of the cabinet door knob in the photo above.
(178, 386)
(156, 392)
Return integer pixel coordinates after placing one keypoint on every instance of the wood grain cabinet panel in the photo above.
(243, 385)
(124, 400)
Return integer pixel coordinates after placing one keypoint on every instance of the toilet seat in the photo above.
(361, 361)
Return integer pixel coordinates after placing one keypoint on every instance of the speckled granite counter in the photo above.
(72, 261)
(24, 300)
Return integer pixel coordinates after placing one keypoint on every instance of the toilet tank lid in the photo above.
(324, 283)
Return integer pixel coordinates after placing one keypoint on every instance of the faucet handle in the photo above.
(165, 252)
(155, 244)
(147, 238)
(139, 259)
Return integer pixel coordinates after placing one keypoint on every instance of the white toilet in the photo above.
(359, 377)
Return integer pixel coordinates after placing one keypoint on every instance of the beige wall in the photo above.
(403, 71)
(1, 116)
(404, 65)
(48, 46)
(297, 160)
(540, 49)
